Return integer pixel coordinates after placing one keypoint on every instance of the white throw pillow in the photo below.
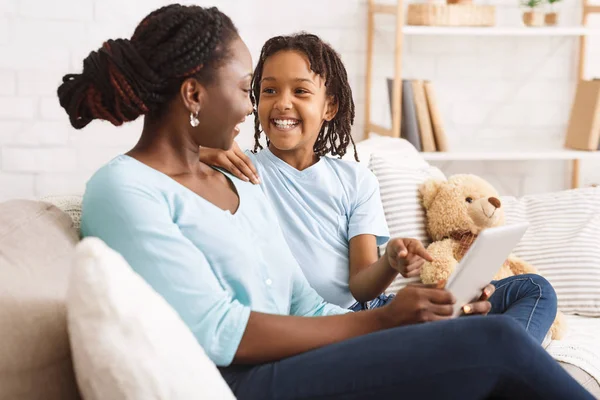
(399, 187)
(563, 243)
(127, 342)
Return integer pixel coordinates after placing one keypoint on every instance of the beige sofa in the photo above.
(37, 240)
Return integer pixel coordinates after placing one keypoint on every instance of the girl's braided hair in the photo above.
(334, 136)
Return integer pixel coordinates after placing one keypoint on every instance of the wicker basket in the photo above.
(451, 15)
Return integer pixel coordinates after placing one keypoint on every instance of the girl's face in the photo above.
(293, 103)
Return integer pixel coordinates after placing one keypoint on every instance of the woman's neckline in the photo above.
(174, 182)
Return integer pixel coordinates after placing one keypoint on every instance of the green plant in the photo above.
(532, 3)
(552, 2)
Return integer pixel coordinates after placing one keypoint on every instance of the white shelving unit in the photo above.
(510, 155)
(496, 153)
(499, 31)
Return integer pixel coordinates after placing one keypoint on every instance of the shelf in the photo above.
(518, 150)
(511, 155)
(499, 31)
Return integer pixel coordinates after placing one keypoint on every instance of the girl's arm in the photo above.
(367, 228)
(233, 160)
(370, 276)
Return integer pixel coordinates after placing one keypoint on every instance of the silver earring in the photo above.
(194, 121)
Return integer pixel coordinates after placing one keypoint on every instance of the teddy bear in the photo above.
(457, 211)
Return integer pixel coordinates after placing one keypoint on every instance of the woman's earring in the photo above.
(194, 121)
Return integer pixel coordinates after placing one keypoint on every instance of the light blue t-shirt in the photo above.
(320, 209)
(211, 266)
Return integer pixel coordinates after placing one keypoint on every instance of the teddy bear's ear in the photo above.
(428, 190)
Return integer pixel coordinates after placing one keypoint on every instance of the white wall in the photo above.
(512, 89)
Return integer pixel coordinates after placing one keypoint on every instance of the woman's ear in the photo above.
(331, 108)
(193, 95)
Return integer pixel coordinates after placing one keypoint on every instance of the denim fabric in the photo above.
(464, 358)
(530, 299)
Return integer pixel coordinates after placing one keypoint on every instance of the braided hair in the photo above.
(126, 78)
(334, 136)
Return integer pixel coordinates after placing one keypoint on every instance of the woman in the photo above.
(210, 244)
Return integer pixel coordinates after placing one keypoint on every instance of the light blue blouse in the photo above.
(211, 266)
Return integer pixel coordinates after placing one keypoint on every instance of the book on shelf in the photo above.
(439, 134)
(409, 126)
(583, 132)
(422, 110)
(421, 122)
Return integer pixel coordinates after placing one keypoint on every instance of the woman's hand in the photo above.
(233, 160)
(420, 303)
(482, 306)
(407, 256)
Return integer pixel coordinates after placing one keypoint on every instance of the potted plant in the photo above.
(551, 18)
(533, 17)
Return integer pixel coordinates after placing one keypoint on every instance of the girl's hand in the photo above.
(233, 160)
(407, 256)
(482, 306)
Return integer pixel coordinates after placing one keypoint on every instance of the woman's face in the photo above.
(226, 100)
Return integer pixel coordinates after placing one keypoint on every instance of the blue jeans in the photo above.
(463, 358)
(529, 299)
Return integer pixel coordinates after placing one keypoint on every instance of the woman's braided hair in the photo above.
(334, 136)
(127, 78)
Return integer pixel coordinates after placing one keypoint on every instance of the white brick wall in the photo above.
(491, 88)
(8, 83)
(64, 10)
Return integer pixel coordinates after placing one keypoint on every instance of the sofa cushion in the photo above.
(71, 205)
(127, 341)
(579, 351)
(585, 379)
(36, 245)
(563, 243)
(405, 216)
(400, 151)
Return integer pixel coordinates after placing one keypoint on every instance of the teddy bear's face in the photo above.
(464, 203)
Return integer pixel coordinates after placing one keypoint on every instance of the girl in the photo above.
(329, 209)
(211, 245)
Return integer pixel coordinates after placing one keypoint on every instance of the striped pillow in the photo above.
(563, 243)
(396, 149)
(398, 184)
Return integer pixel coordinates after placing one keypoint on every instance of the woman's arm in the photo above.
(273, 337)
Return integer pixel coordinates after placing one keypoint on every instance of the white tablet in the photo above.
(482, 261)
